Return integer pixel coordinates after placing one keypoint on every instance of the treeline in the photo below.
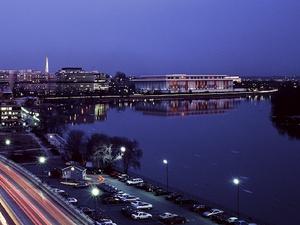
(102, 150)
(286, 110)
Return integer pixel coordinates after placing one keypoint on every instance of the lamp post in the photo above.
(42, 160)
(95, 193)
(123, 150)
(237, 182)
(167, 172)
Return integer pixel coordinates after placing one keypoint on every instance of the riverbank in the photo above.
(201, 95)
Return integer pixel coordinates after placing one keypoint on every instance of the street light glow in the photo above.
(165, 161)
(95, 192)
(42, 159)
(7, 141)
(123, 149)
(236, 181)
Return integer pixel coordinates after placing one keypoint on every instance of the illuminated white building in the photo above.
(183, 83)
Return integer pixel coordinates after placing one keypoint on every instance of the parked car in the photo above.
(112, 200)
(223, 218)
(82, 185)
(122, 175)
(105, 222)
(70, 163)
(141, 205)
(200, 208)
(212, 212)
(72, 200)
(173, 196)
(129, 198)
(160, 191)
(86, 210)
(55, 173)
(242, 222)
(134, 181)
(175, 220)
(108, 188)
(184, 201)
(146, 187)
(57, 190)
(166, 215)
(140, 215)
(127, 211)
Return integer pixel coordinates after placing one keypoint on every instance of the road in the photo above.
(35, 205)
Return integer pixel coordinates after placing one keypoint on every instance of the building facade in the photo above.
(183, 83)
(77, 80)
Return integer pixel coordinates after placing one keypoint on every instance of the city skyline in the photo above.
(157, 37)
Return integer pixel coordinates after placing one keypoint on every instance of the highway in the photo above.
(29, 202)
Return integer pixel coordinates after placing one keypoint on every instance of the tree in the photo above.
(132, 155)
(73, 147)
(105, 151)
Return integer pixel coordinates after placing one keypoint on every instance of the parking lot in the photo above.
(113, 211)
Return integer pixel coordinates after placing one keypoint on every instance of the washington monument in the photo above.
(47, 65)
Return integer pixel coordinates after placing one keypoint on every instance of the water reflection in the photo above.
(186, 107)
(55, 115)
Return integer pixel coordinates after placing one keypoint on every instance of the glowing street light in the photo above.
(237, 182)
(7, 142)
(165, 162)
(123, 149)
(42, 159)
(95, 192)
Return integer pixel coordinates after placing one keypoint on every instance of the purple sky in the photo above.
(153, 36)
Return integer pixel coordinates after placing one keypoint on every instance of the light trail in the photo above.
(37, 206)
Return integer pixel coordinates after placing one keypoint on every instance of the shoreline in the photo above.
(202, 95)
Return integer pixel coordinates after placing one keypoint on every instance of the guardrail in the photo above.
(78, 215)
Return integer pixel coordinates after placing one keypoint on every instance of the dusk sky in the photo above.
(251, 37)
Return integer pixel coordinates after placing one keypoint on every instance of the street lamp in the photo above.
(42, 160)
(167, 172)
(123, 149)
(237, 182)
(95, 193)
(7, 142)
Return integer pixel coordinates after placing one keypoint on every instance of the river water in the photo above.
(207, 143)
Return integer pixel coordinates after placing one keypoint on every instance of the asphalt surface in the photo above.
(160, 205)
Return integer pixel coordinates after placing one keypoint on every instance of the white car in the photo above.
(134, 181)
(232, 219)
(57, 190)
(105, 222)
(140, 215)
(212, 212)
(129, 198)
(72, 200)
(141, 205)
(167, 215)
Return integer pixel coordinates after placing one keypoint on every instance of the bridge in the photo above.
(24, 199)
